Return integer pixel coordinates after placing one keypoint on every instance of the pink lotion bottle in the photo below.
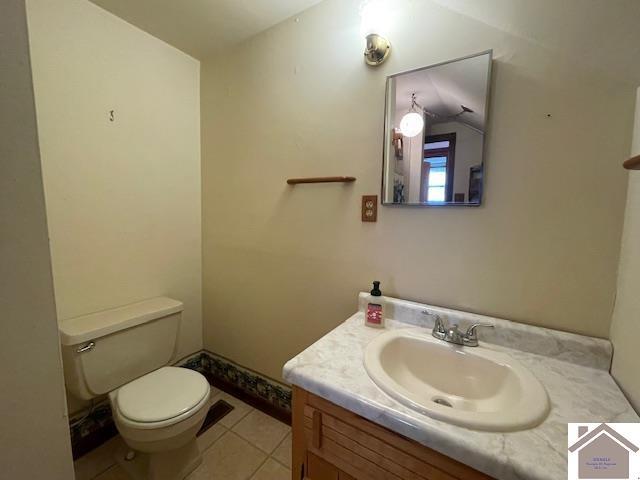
(375, 313)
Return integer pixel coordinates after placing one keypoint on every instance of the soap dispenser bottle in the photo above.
(375, 313)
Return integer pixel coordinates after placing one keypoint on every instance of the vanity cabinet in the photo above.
(331, 443)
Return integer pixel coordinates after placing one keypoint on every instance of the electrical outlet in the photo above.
(369, 208)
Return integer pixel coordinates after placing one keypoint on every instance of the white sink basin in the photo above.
(472, 387)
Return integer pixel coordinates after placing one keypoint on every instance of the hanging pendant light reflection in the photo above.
(413, 122)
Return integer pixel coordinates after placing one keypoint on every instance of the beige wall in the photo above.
(34, 439)
(283, 265)
(123, 197)
(625, 327)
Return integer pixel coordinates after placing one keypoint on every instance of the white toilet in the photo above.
(158, 409)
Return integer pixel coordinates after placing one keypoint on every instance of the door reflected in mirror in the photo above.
(435, 129)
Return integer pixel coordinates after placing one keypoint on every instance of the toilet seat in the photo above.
(161, 398)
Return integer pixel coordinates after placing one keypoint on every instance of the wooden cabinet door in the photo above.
(345, 476)
(329, 441)
(320, 469)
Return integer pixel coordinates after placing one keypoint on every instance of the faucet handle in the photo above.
(438, 324)
(471, 337)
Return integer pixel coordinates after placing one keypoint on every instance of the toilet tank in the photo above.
(102, 351)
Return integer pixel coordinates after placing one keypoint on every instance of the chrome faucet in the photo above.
(453, 334)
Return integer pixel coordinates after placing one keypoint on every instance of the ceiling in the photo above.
(601, 33)
(204, 27)
(444, 88)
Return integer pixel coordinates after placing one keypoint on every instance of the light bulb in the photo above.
(374, 16)
(411, 124)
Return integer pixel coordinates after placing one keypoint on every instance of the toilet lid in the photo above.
(162, 394)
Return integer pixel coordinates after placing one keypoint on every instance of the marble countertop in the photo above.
(572, 368)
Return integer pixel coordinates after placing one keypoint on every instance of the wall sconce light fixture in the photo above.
(373, 15)
(377, 49)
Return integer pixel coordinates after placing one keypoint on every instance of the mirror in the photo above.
(435, 126)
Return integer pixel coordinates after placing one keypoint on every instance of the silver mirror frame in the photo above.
(387, 130)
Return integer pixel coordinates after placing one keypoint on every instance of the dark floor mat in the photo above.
(217, 411)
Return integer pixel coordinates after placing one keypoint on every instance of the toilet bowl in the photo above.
(158, 409)
(159, 415)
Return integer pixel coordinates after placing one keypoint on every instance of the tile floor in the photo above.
(246, 444)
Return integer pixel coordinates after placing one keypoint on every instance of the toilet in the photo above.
(125, 353)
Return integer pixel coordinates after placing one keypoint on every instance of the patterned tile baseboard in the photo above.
(91, 432)
(194, 362)
(248, 381)
(262, 392)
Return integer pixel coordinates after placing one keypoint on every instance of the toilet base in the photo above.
(173, 464)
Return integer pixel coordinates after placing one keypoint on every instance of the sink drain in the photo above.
(442, 401)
